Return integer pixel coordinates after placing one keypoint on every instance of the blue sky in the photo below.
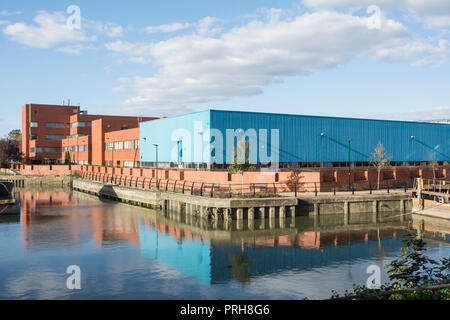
(160, 58)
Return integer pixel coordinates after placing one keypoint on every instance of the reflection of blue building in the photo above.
(209, 263)
(189, 257)
(267, 260)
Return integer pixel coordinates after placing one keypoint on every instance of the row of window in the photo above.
(60, 125)
(46, 150)
(80, 148)
(122, 145)
(126, 164)
(56, 137)
(81, 124)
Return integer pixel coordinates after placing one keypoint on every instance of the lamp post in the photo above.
(349, 164)
(156, 164)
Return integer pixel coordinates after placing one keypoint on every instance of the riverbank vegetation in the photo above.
(413, 276)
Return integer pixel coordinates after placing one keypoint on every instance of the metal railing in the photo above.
(230, 190)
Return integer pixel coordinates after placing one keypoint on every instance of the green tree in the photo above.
(67, 158)
(241, 160)
(380, 159)
(9, 152)
(15, 135)
(409, 275)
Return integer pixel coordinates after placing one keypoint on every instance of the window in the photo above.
(54, 137)
(35, 114)
(118, 145)
(78, 124)
(109, 146)
(52, 150)
(54, 125)
(136, 144)
(88, 124)
(33, 137)
(33, 125)
(128, 164)
(77, 135)
(36, 150)
(128, 145)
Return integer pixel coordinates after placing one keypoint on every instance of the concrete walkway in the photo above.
(346, 193)
(441, 211)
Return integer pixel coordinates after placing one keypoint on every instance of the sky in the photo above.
(385, 59)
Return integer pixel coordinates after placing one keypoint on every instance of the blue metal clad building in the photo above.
(300, 138)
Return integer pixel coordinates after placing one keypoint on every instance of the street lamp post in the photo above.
(156, 165)
(349, 164)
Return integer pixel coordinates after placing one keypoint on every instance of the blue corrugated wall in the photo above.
(300, 138)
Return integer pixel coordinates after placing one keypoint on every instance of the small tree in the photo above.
(434, 164)
(15, 135)
(295, 177)
(10, 149)
(241, 161)
(67, 158)
(380, 159)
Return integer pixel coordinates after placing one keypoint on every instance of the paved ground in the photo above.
(346, 193)
(441, 211)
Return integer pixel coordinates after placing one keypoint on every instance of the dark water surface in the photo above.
(126, 252)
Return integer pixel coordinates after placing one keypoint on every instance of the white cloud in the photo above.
(115, 31)
(112, 30)
(168, 27)
(199, 68)
(420, 6)
(50, 30)
(207, 25)
(433, 21)
(434, 14)
(137, 52)
(3, 22)
(10, 13)
(75, 49)
(419, 53)
(437, 113)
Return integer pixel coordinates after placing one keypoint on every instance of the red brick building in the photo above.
(49, 132)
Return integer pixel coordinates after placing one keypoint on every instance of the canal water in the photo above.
(126, 252)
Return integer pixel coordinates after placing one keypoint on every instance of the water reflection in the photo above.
(126, 248)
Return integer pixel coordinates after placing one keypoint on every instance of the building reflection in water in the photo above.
(55, 219)
(212, 252)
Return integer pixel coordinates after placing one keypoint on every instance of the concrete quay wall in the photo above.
(349, 206)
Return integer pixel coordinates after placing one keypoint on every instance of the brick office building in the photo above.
(51, 131)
